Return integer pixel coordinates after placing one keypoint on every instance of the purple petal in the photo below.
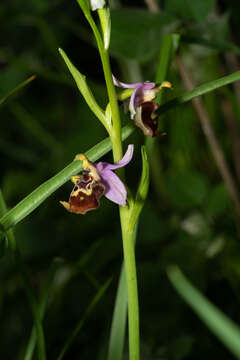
(104, 166)
(124, 85)
(147, 85)
(133, 102)
(115, 189)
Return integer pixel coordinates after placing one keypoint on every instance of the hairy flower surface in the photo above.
(142, 106)
(97, 180)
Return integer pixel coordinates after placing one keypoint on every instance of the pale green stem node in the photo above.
(105, 21)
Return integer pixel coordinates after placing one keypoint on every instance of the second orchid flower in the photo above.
(142, 106)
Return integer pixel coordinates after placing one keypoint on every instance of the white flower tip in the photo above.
(97, 4)
(129, 153)
(115, 81)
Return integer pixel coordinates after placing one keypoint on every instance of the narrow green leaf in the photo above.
(33, 200)
(84, 5)
(10, 238)
(222, 326)
(81, 322)
(84, 89)
(17, 88)
(118, 327)
(27, 286)
(42, 308)
(200, 90)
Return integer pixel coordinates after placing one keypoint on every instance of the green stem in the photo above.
(127, 232)
(116, 122)
(118, 327)
(115, 134)
(132, 289)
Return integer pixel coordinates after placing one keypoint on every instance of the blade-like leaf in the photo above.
(20, 86)
(200, 90)
(81, 322)
(222, 326)
(84, 89)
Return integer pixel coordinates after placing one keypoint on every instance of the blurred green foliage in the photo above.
(188, 219)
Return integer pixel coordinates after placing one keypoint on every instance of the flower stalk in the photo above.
(127, 226)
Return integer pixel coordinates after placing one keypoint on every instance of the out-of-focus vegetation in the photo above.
(189, 218)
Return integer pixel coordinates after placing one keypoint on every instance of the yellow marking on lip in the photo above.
(81, 198)
(65, 204)
(75, 178)
(88, 165)
(75, 193)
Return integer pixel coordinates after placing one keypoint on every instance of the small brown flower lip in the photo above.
(146, 118)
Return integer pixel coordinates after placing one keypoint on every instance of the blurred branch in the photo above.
(152, 5)
(227, 106)
(211, 138)
(233, 132)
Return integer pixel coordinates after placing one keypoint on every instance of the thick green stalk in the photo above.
(115, 134)
(127, 231)
(127, 234)
(131, 279)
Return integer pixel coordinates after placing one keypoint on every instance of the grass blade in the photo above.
(19, 87)
(200, 90)
(42, 308)
(81, 322)
(222, 326)
(27, 287)
(118, 327)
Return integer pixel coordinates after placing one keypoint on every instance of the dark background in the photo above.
(188, 219)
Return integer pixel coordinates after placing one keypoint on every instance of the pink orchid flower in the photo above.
(97, 180)
(142, 106)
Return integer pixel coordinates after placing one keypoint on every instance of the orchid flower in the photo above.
(97, 180)
(142, 106)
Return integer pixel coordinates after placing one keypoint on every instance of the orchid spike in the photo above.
(97, 180)
(142, 106)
